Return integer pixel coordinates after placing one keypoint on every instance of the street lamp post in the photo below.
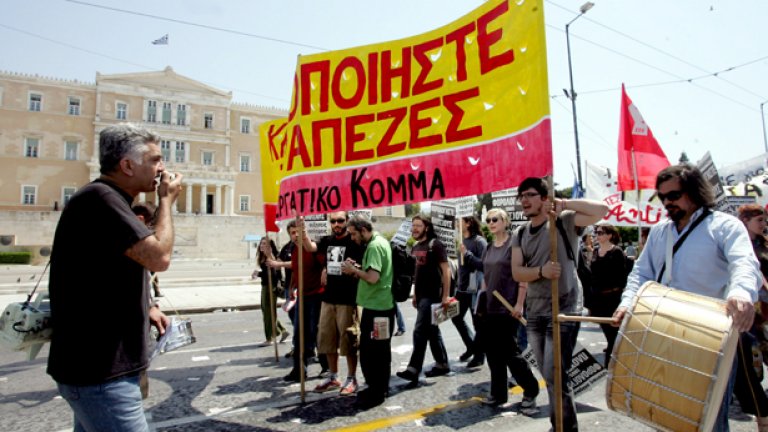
(762, 117)
(572, 95)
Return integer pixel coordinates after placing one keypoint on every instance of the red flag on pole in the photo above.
(270, 217)
(636, 142)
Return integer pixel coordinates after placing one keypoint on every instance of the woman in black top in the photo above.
(609, 277)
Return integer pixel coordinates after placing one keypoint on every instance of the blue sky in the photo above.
(665, 51)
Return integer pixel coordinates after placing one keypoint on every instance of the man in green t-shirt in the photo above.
(374, 295)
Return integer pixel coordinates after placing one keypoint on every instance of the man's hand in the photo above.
(168, 188)
(618, 316)
(349, 266)
(742, 312)
(158, 319)
(551, 270)
(272, 263)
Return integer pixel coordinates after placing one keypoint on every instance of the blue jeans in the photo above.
(111, 406)
(399, 317)
(424, 332)
(541, 342)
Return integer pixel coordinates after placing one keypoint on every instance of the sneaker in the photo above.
(437, 371)
(267, 342)
(327, 384)
(408, 375)
(349, 388)
(528, 406)
(466, 356)
(399, 332)
(493, 402)
(324, 373)
(284, 336)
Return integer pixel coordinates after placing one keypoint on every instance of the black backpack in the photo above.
(403, 269)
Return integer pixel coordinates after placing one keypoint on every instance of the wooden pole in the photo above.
(509, 307)
(272, 310)
(302, 377)
(579, 318)
(558, 393)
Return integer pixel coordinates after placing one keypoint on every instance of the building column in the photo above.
(231, 200)
(217, 200)
(203, 200)
(189, 199)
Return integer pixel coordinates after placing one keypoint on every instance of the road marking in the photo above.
(424, 413)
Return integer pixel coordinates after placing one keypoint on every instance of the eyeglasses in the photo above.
(671, 195)
(599, 232)
(491, 219)
(338, 221)
(528, 195)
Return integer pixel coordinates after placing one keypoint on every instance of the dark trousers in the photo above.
(424, 332)
(747, 387)
(311, 320)
(376, 355)
(499, 332)
(610, 333)
(469, 339)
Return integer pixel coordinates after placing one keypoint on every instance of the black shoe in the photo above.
(466, 356)
(475, 362)
(293, 376)
(408, 375)
(289, 354)
(437, 371)
(367, 400)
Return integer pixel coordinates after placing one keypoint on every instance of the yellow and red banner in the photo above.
(457, 111)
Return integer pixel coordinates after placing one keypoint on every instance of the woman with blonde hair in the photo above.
(498, 326)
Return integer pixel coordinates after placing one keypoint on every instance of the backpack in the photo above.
(403, 269)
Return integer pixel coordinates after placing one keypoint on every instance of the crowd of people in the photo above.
(346, 301)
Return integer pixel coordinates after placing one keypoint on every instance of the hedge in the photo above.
(15, 257)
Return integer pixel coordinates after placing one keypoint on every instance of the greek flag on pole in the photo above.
(162, 41)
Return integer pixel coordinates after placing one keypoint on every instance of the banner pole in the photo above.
(302, 366)
(556, 342)
(637, 188)
(272, 310)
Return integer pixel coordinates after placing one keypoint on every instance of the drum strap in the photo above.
(678, 243)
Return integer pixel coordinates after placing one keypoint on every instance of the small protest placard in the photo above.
(316, 226)
(403, 233)
(444, 221)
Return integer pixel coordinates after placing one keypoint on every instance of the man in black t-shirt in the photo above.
(338, 311)
(98, 231)
(432, 283)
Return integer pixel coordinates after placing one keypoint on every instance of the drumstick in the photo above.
(579, 318)
(511, 308)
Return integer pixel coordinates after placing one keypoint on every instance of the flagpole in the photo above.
(637, 188)
(555, 312)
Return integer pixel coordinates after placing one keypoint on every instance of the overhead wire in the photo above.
(205, 26)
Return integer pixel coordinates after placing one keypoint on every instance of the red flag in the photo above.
(270, 217)
(634, 134)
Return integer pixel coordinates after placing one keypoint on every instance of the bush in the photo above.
(15, 257)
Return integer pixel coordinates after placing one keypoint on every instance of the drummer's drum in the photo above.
(672, 359)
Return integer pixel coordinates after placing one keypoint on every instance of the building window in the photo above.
(208, 121)
(121, 111)
(388, 211)
(165, 148)
(207, 158)
(152, 111)
(166, 113)
(74, 106)
(245, 203)
(28, 195)
(35, 101)
(31, 147)
(245, 125)
(66, 194)
(181, 152)
(70, 150)
(245, 163)
(181, 115)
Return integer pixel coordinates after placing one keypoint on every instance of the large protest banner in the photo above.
(457, 111)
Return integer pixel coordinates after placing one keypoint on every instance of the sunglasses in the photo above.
(338, 221)
(671, 196)
(491, 219)
(528, 195)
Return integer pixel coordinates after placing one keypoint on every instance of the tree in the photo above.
(412, 209)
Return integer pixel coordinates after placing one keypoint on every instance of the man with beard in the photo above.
(713, 254)
(531, 263)
(338, 311)
(432, 284)
(374, 296)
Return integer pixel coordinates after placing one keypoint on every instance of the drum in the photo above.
(671, 361)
